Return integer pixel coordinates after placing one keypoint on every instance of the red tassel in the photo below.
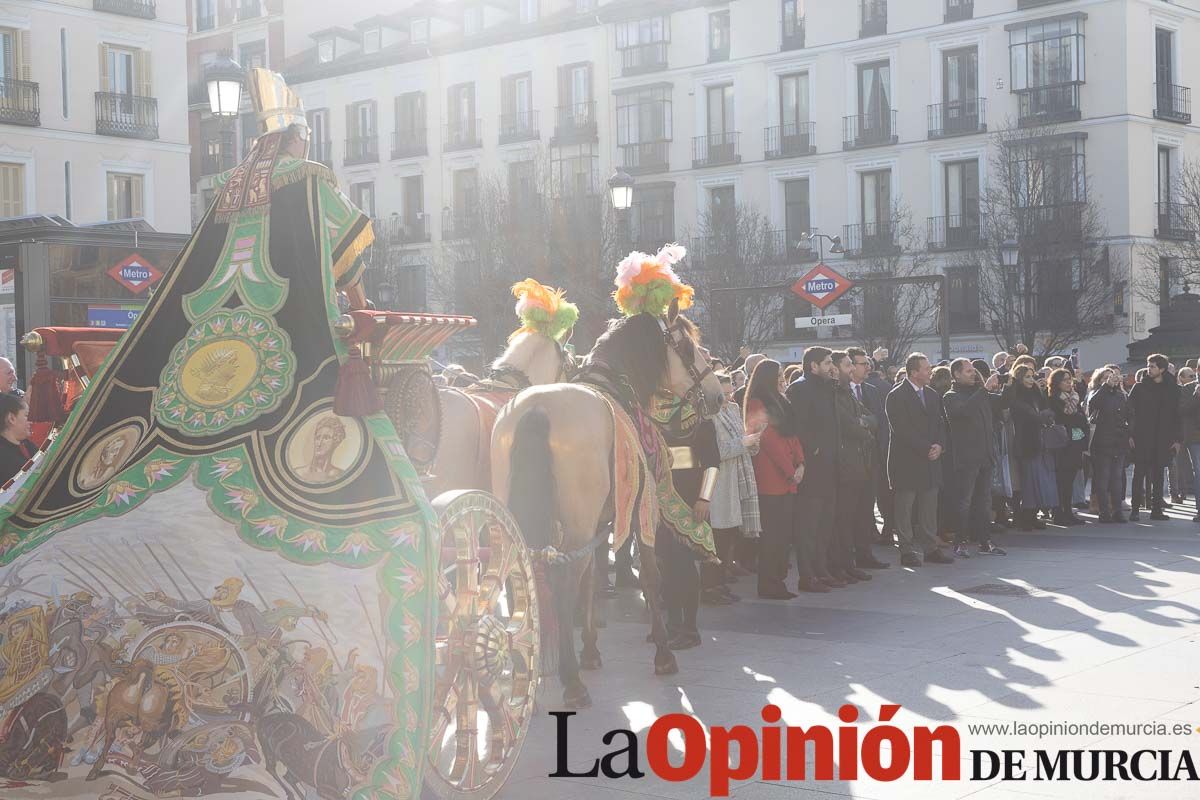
(356, 395)
(45, 400)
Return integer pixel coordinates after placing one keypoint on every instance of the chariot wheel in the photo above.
(487, 647)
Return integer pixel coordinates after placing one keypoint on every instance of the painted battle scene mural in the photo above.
(160, 655)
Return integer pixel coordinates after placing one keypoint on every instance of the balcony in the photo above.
(402, 231)
(716, 149)
(457, 224)
(521, 126)
(720, 248)
(1173, 103)
(463, 134)
(1051, 223)
(793, 34)
(643, 157)
(874, 18)
(790, 140)
(1047, 105)
(575, 123)
(321, 152)
(955, 232)
(128, 115)
(960, 118)
(959, 10)
(206, 22)
(20, 103)
(870, 239)
(643, 58)
(409, 143)
(249, 9)
(869, 130)
(361, 150)
(788, 247)
(130, 8)
(1175, 221)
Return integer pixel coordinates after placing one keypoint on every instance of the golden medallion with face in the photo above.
(107, 457)
(218, 372)
(324, 448)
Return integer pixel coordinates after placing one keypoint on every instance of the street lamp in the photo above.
(620, 190)
(835, 243)
(1010, 253)
(224, 78)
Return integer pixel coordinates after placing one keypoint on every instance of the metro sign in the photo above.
(822, 286)
(135, 273)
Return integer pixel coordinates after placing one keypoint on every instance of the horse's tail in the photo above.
(532, 493)
(533, 501)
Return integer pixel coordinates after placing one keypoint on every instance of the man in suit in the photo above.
(918, 439)
(814, 421)
(871, 398)
(971, 405)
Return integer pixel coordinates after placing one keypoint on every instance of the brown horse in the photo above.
(531, 359)
(138, 700)
(551, 462)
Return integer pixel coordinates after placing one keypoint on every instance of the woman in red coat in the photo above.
(778, 470)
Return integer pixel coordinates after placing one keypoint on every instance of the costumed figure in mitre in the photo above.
(648, 283)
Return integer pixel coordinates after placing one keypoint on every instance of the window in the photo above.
(1164, 174)
(962, 287)
(797, 215)
(362, 138)
(1172, 102)
(325, 51)
(793, 103)
(876, 198)
(410, 288)
(718, 36)
(1056, 286)
(253, 55)
(206, 15)
(1119, 308)
(643, 44)
(362, 195)
(720, 110)
(372, 40)
(522, 183)
(125, 194)
(960, 91)
(961, 197)
(1050, 172)
(1047, 66)
(410, 113)
(793, 24)
(412, 196)
(585, 6)
(654, 217)
(874, 96)
(1164, 57)
(722, 201)
(575, 171)
(460, 106)
(318, 136)
(528, 11)
(419, 30)
(473, 20)
(249, 125)
(64, 72)
(12, 190)
(466, 192)
(644, 128)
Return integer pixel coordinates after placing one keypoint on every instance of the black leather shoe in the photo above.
(870, 563)
(811, 585)
(910, 560)
(937, 557)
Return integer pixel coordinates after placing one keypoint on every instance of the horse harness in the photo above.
(679, 343)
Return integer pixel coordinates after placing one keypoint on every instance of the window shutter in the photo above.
(143, 80)
(112, 196)
(137, 210)
(21, 61)
(507, 95)
(105, 77)
(564, 86)
(351, 123)
(12, 190)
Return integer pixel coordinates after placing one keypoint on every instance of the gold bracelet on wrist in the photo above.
(708, 484)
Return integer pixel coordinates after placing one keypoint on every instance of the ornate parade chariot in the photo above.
(221, 574)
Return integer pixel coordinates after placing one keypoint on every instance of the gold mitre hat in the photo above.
(275, 105)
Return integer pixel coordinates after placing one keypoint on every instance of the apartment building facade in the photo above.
(251, 33)
(92, 128)
(822, 115)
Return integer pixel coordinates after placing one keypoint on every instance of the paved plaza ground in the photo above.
(1095, 623)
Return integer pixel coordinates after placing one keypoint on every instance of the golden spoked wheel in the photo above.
(487, 647)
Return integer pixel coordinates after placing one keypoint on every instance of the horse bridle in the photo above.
(678, 342)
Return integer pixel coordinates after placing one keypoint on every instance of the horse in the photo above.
(551, 462)
(531, 359)
(140, 700)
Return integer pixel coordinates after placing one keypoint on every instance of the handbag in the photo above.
(1054, 437)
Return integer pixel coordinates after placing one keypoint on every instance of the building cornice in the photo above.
(11, 133)
(52, 7)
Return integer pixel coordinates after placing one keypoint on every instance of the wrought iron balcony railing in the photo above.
(641, 58)
(130, 8)
(716, 148)
(463, 134)
(1051, 222)
(792, 139)
(958, 118)
(870, 239)
(20, 103)
(361, 150)
(1046, 105)
(955, 232)
(128, 115)
(869, 130)
(788, 247)
(575, 122)
(409, 143)
(400, 230)
(874, 18)
(958, 10)
(458, 223)
(521, 126)
(642, 157)
(1175, 221)
(1173, 102)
